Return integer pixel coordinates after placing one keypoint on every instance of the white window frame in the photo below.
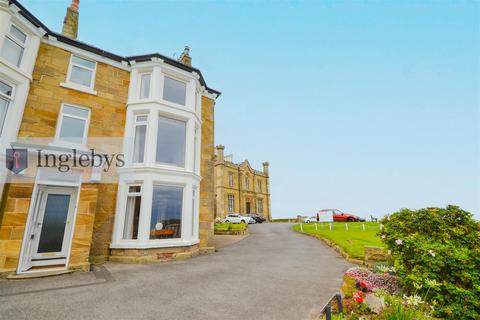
(139, 93)
(183, 221)
(9, 100)
(23, 45)
(140, 123)
(185, 150)
(78, 86)
(58, 140)
(168, 75)
(127, 195)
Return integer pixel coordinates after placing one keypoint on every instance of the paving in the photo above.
(274, 273)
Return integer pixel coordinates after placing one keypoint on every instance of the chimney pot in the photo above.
(185, 57)
(220, 155)
(265, 167)
(70, 23)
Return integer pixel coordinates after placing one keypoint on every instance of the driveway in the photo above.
(274, 273)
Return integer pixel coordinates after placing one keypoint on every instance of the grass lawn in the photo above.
(352, 240)
(229, 226)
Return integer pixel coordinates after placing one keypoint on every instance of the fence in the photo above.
(328, 310)
(338, 225)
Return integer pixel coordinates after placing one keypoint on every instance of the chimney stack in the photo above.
(70, 23)
(265, 167)
(185, 57)
(220, 156)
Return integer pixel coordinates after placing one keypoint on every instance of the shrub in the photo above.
(441, 244)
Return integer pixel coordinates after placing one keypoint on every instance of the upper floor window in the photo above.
(230, 179)
(141, 124)
(6, 94)
(82, 71)
(145, 85)
(247, 182)
(14, 46)
(174, 90)
(73, 124)
(171, 139)
(259, 182)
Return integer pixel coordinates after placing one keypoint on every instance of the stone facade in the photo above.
(97, 202)
(207, 185)
(239, 188)
(94, 213)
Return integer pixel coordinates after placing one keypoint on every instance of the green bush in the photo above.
(441, 244)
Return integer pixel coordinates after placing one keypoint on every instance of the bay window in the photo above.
(141, 125)
(6, 94)
(174, 90)
(171, 136)
(132, 212)
(14, 46)
(166, 217)
(145, 80)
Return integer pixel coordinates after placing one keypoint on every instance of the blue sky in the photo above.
(364, 106)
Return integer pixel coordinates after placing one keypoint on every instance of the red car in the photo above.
(341, 216)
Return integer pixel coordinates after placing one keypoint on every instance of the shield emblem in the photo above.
(17, 160)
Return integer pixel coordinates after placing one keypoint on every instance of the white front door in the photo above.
(49, 235)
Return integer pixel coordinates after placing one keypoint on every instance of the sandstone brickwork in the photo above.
(207, 185)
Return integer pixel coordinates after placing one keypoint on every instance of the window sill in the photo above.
(15, 68)
(149, 244)
(77, 87)
(65, 145)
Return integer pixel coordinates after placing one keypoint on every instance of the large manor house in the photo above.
(62, 97)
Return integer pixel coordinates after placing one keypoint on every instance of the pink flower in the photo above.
(399, 241)
(431, 253)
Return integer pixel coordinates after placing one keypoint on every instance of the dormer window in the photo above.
(14, 46)
(174, 91)
(145, 85)
(82, 71)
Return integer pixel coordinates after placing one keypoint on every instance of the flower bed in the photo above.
(378, 295)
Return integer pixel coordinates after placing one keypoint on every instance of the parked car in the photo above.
(340, 216)
(250, 220)
(257, 218)
(237, 218)
(311, 219)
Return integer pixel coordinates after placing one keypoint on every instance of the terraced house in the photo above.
(240, 188)
(118, 151)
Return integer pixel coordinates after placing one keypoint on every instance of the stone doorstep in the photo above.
(42, 274)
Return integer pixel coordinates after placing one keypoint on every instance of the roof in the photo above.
(85, 46)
